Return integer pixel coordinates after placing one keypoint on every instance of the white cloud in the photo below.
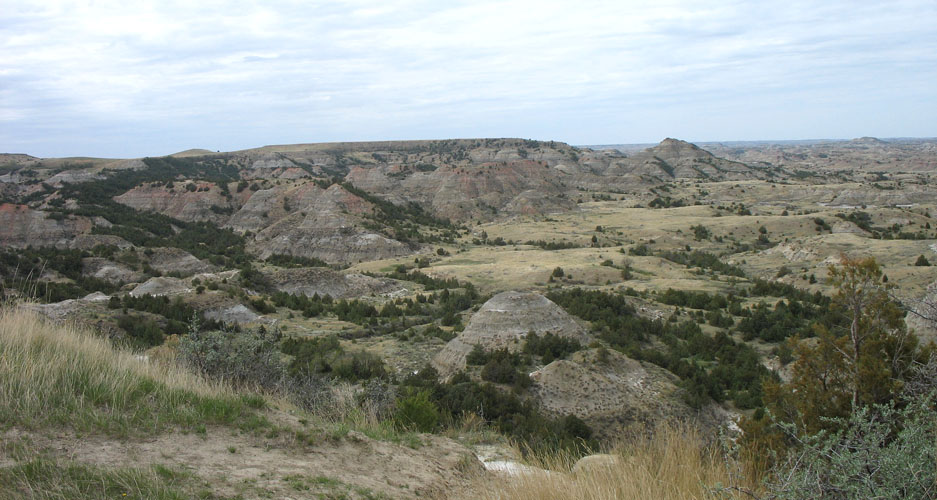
(135, 78)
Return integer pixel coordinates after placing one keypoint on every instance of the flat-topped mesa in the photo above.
(503, 323)
(404, 146)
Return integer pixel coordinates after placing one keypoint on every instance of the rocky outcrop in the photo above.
(161, 286)
(73, 177)
(461, 192)
(176, 260)
(266, 207)
(187, 201)
(113, 272)
(89, 241)
(612, 392)
(323, 281)
(908, 195)
(676, 159)
(21, 226)
(502, 323)
(330, 236)
(237, 313)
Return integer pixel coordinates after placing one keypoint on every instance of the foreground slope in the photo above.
(76, 413)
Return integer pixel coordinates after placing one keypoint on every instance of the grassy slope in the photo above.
(56, 375)
(66, 394)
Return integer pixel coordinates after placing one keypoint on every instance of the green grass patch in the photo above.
(47, 479)
(62, 376)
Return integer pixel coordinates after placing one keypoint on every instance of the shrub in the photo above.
(499, 370)
(551, 345)
(142, 331)
(881, 453)
(325, 356)
(245, 359)
(922, 261)
(416, 412)
(477, 356)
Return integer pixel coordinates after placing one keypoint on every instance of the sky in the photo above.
(131, 79)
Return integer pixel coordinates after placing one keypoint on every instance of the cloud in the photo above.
(128, 78)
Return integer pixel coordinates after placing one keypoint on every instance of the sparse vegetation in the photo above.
(715, 296)
(78, 380)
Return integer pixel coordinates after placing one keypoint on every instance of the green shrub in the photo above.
(551, 345)
(142, 331)
(883, 452)
(477, 356)
(499, 370)
(245, 359)
(416, 412)
(325, 356)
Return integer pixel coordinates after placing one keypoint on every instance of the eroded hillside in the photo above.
(563, 297)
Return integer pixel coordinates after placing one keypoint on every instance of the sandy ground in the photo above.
(231, 463)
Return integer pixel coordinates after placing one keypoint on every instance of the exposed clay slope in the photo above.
(330, 237)
(175, 260)
(462, 192)
(676, 159)
(113, 272)
(614, 394)
(187, 201)
(353, 466)
(308, 221)
(323, 281)
(502, 323)
(21, 226)
(161, 286)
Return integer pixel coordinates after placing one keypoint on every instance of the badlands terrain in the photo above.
(453, 306)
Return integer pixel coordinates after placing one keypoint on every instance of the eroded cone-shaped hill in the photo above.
(676, 159)
(612, 392)
(503, 322)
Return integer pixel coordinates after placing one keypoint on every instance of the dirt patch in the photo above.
(231, 463)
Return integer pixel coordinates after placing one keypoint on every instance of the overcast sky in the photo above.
(128, 79)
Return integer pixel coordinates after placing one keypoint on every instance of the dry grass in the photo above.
(675, 463)
(65, 375)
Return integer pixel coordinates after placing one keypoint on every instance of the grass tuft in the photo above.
(41, 479)
(675, 463)
(54, 374)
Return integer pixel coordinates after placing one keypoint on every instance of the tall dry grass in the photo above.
(62, 374)
(674, 463)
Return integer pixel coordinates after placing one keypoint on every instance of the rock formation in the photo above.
(502, 323)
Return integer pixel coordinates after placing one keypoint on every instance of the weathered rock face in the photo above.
(619, 391)
(89, 241)
(161, 286)
(73, 177)
(676, 159)
(21, 226)
(235, 313)
(460, 192)
(188, 201)
(175, 260)
(323, 281)
(308, 221)
(614, 393)
(502, 323)
(114, 272)
(330, 237)
(908, 195)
